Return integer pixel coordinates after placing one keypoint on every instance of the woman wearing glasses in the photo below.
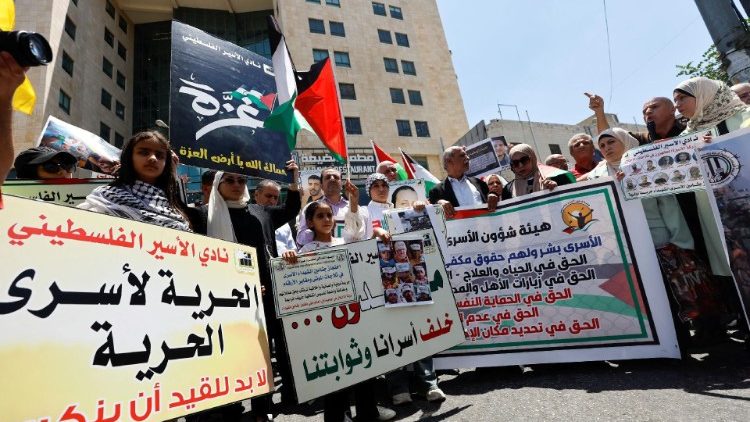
(44, 163)
(530, 175)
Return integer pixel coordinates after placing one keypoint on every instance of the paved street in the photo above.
(712, 385)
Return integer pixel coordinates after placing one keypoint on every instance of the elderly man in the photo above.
(658, 114)
(743, 91)
(331, 185)
(389, 169)
(267, 194)
(581, 148)
(557, 160)
(457, 189)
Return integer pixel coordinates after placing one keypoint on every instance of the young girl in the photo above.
(145, 188)
(319, 218)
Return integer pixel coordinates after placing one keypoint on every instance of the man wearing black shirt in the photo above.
(658, 113)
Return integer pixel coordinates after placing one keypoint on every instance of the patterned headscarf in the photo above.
(714, 102)
(372, 179)
(532, 182)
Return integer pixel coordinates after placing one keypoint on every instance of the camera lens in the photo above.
(28, 48)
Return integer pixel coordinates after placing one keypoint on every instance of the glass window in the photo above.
(415, 97)
(317, 26)
(123, 24)
(555, 149)
(104, 131)
(67, 63)
(391, 65)
(122, 51)
(385, 36)
(423, 131)
(120, 110)
(110, 8)
(378, 8)
(313, 1)
(403, 127)
(402, 39)
(106, 67)
(109, 37)
(120, 80)
(106, 99)
(70, 28)
(342, 59)
(347, 91)
(337, 28)
(336, 3)
(397, 96)
(75, 2)
(408, 67)
(353, 125)
(119, 140)
(319, 55)
(64, 102)
(395, 12)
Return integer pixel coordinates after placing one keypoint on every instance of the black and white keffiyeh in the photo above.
(141, 202)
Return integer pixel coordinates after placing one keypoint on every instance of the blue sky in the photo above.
(543, 54)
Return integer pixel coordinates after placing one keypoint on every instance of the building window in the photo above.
(391, 65)
(402, 39)
(336, 3)
(70, 28)
(397, 96)
(67, 63)
(313, 1)
(104, 131)
(337, 28)
(120, 80)
(122, 51)
(415, 97)
(106, 99)
(120, 110)
(317, 26)
(119, 140)
(423, 131)
(347, 91)
(319, 55)
(109, 37)
(378, 8)
(408, 67)
(64, 102)
(106, 67)
(396, 12)
(75, 2)
(403, 127)
(385, 36)
(353, 125)
(123, 24)
(342, 59)
(110, 8)
(555, 149)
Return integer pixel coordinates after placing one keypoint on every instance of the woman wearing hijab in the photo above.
(694, 292)
(145, 188)
(530, 175)
(708, 103)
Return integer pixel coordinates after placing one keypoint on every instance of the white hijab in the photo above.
(610, 168)
(219, 223)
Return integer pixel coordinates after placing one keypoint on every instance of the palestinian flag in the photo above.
(416, 171)
(381, 155)
(318, 101)
(284, 117)
(549, 171)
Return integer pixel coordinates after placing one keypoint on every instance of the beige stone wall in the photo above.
(84, 87)
(436, 80)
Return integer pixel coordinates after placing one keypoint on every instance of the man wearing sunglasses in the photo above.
(45, 163)
(458, 189)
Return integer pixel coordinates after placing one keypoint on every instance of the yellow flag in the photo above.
(25, 97)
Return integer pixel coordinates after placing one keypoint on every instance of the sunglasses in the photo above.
(522, 162)
(53, 167)
(232, 180)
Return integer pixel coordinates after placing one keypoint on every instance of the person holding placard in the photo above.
(529, 176)
(458, 189)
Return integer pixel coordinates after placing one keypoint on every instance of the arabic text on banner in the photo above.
(662, 168)
(104, 317)
(220, 96)
(337, 347)
(556, 271)
(70, 192)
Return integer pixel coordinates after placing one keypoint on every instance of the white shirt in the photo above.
(466, 193)
(284, 239)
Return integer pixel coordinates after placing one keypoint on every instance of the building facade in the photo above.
(110, 73)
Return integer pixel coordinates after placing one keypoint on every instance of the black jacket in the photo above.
(443, 190)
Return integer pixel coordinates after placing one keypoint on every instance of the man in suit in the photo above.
(459, 190)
